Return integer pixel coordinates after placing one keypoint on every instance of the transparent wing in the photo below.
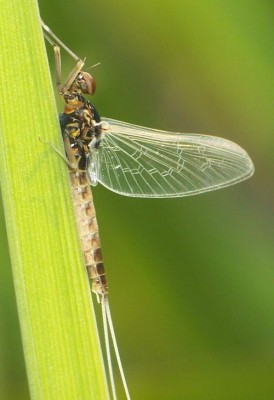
(142, 162)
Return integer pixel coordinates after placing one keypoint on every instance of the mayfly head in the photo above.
(84, 83)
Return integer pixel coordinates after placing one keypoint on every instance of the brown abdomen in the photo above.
(88, 230)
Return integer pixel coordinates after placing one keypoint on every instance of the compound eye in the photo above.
(87, 84)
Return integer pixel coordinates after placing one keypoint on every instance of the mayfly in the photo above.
(133, 161)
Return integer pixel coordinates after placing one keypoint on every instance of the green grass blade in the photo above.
(57, 321)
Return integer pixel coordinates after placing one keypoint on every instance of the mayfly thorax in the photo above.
(133, 161)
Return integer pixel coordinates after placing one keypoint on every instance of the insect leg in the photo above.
(69, 160)
(53, 39)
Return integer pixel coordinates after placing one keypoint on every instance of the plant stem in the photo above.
(57, 321)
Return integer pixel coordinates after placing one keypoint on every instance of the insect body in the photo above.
(133, 161)
(82, 131)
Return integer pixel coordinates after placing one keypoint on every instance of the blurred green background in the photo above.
(192, 279)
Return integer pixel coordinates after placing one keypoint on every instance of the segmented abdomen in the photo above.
(88, 230)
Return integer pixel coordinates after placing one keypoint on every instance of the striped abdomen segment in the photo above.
(88, 230)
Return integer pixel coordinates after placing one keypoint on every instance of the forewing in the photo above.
(142, 162)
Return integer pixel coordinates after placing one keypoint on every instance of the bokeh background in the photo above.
(192, 279)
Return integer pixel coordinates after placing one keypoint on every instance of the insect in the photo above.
(133, 161)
